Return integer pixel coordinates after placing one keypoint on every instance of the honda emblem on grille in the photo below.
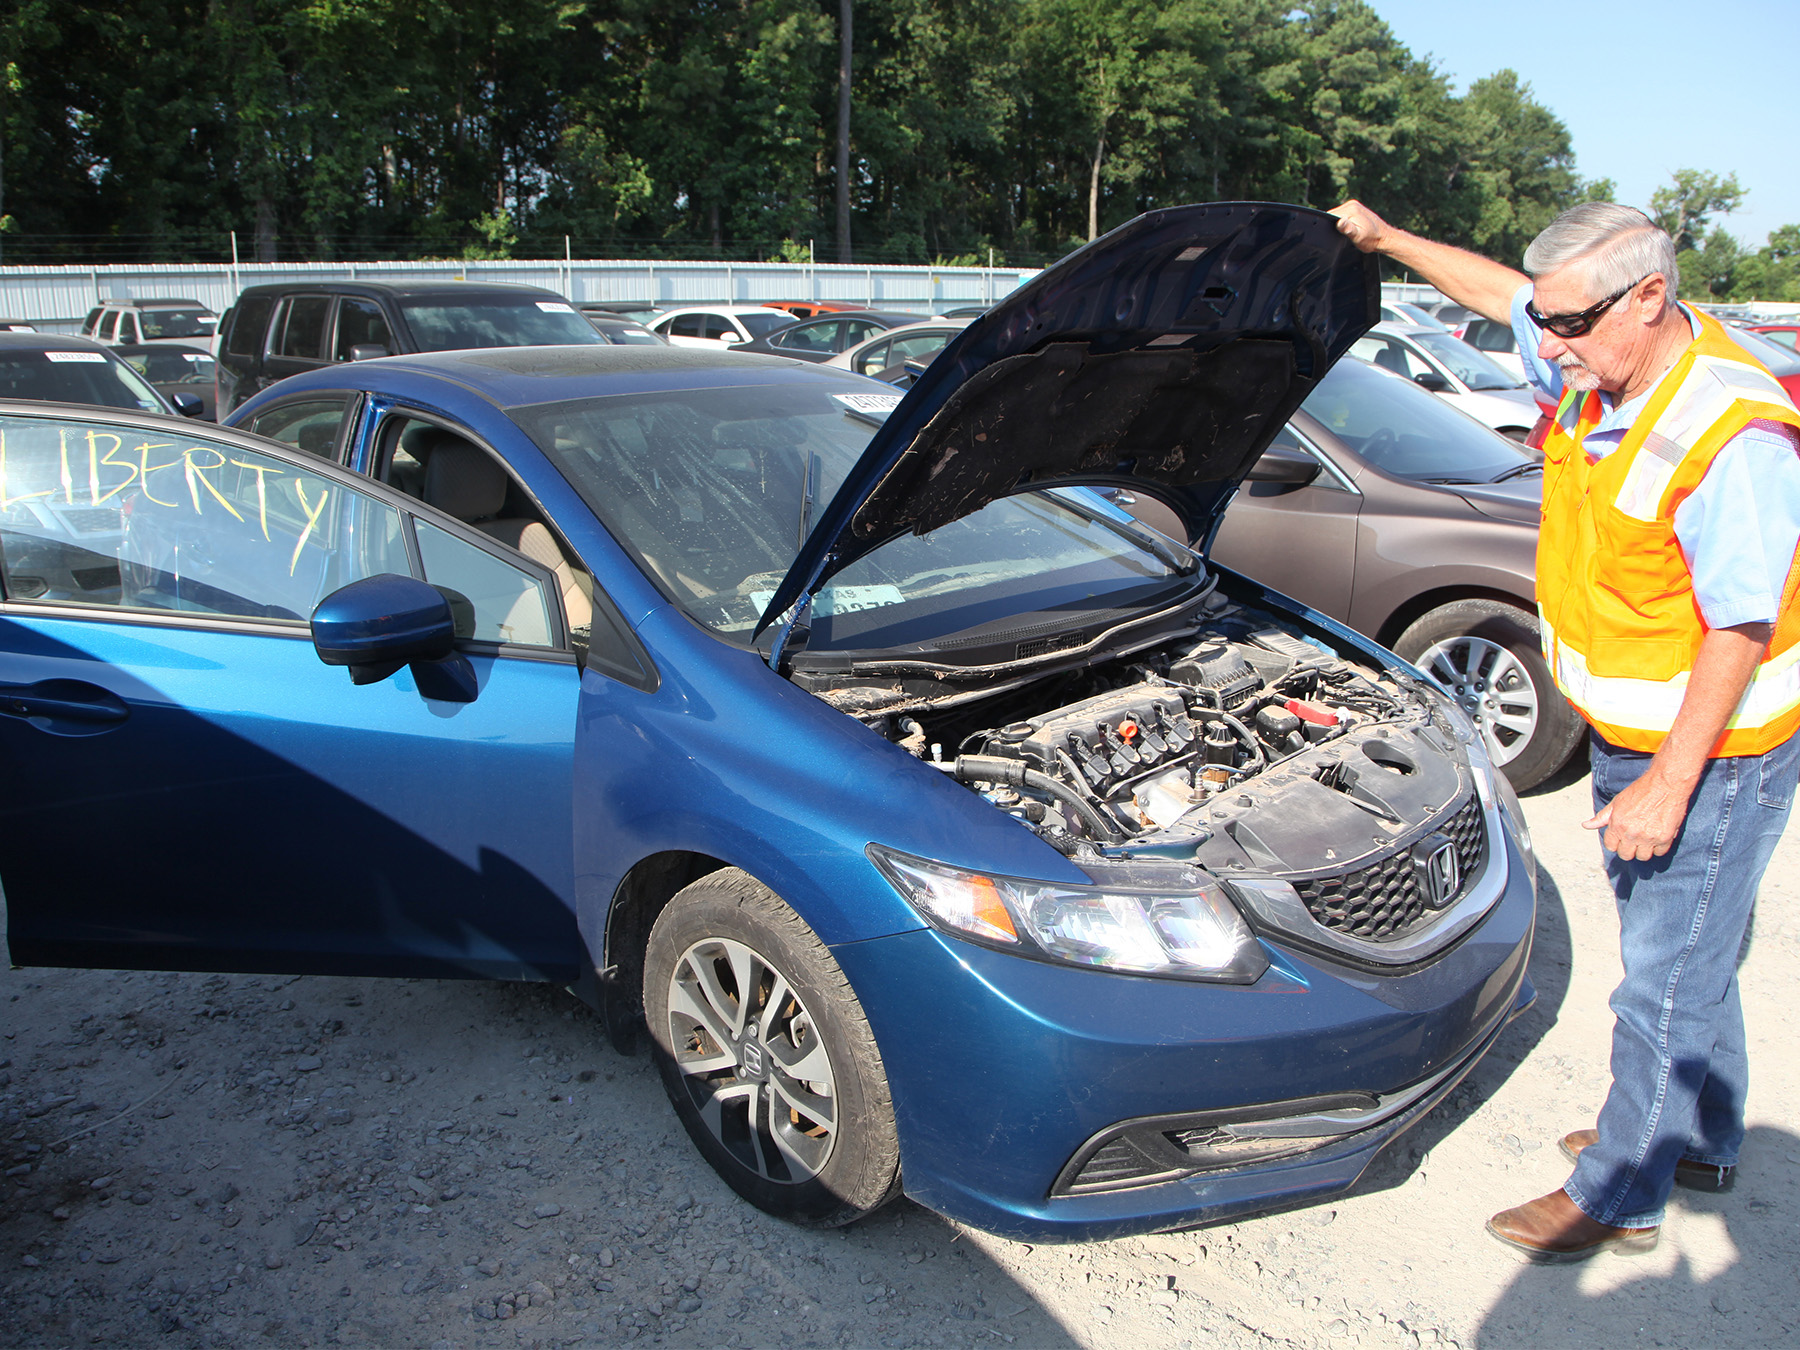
(1438, 870)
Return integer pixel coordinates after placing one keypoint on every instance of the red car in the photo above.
(1784, 333)
(1781, 359)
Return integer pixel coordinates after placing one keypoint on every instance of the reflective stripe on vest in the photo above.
(1619, 621)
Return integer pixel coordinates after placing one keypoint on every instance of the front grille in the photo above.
(1383, 902)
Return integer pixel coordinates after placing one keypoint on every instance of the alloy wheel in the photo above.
(752, 1060)
(1490, 684)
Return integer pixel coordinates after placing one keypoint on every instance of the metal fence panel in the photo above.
(58, 298)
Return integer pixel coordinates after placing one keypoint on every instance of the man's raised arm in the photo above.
(1479, 283)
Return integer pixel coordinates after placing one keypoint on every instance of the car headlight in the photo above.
(1194, 933)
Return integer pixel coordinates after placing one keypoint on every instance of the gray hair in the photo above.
(1618, 245)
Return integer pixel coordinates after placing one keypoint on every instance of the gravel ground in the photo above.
(196, 1160)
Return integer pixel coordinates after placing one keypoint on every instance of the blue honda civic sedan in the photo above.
(941, 829)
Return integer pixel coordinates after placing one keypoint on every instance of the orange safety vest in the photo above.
(1616, 605)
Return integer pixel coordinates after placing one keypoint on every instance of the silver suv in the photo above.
(128, 322)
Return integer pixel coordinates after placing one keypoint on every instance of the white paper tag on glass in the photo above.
(881, 404)
(555, 307)
(841, 599)
(96, 357)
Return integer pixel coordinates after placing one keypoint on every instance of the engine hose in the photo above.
(994, 769)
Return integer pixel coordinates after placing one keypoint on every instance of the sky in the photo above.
(1645, 87)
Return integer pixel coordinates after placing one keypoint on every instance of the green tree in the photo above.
(1685, 207)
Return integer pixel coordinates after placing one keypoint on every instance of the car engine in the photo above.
(1247, 748)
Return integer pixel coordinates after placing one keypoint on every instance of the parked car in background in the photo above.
(286, 327)
(622, 332)
(640, 311)
(719, 325)
(131, 322)
(1450, 314)
(17, 326)
(1496, 341)
(965, 312)
(1380, 506)
(51, 368)
(1785, 334)
(1409, 315)
(1782, 362)
(758, 701)
(822, 338)
(806, 309)
(175, 369)
(892, 350)
(1463, 377)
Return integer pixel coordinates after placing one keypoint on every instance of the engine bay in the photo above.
(1245, 746)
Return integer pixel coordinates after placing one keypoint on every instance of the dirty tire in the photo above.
(816, 1145)
(1478, 638)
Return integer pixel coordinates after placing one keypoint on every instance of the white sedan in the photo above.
(718, 326)
(1455, 372)
(911, 342)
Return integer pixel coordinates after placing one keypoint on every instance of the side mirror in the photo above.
(1430, 379)
(367, 351)
(188, 405)
(1281, 464)
(381, 623)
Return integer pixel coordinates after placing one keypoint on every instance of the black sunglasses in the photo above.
(1582, 322)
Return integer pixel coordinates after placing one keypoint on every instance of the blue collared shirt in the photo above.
(1739, 528)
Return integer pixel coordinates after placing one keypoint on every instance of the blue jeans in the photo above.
(1678, 1057)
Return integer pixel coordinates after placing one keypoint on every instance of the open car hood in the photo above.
(1168, 352)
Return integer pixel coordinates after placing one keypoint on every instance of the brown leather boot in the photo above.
(1696, 1176)
(1553, 1228)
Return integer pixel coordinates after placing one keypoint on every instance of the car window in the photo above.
(682, 325)
(171, 365)
(873, 359)
(719, 328)
(91, 377)
(1785, 336)
(492, 600)
(632, 337)
(757, 322)
(360, 323)
(248, 320)
(458, 325)
(855, 331)
(89, 324)
(1467, 364)
(303, 334)
(109, 326)
(159, 521)
(175, 323)
(808, 337)
(1403, 430)
(1488, 336)
(307, 424)
(1389, 354)
(918, 347)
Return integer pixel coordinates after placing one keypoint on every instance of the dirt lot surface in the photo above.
(200, 1160)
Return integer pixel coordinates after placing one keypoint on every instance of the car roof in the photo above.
(518, 377)
(1405, 330)
(51, 342)
(728, 309)
(145, 348)
(401, 290)
(164, 302)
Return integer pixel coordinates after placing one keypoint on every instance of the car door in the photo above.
(297, 342)
(1298, 538)
(189, 787)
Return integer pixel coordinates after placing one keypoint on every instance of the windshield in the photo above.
(759, 323)
(1467, 364)
(1405, 431)
(715, 489)
(172, 365)
(176, 323)
(76, 377)
(457, 325)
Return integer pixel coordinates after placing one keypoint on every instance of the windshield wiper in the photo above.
(806, 498)
(1517, 471)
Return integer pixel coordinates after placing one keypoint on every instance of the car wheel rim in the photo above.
(754, 1065)
(1490, 684)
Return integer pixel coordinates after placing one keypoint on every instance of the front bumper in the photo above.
(1006, 1071)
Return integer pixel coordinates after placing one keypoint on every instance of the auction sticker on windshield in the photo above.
(76, 356)
(869, 403)
(842, 599)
